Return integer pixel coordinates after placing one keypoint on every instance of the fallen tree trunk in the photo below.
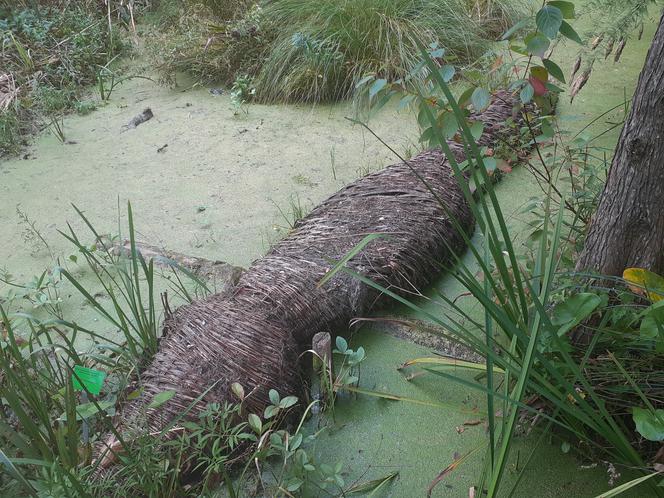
(255, 336)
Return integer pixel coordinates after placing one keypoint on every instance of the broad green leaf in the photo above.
(476, 129)
(574, 310)
(652, 324)
(238, 390)
(540, 73)
(271, 411)
(464, 99)
(548, 20)
(255, 423)
(480, 99)
(449, 125)
(554, 70)
(490, 164)
(537, 44)
(377, 86)
(568, 32)
(364, 81)
(566, 8)
(294, 484)
(643, 282)
(342, 345)
(650, 425)
(287, 402)
(447, 72)
(87, 410)
(527, 93)
(161, 398)
(274, 397)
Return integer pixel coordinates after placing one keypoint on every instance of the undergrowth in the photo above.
(50, 51)
(51, 431)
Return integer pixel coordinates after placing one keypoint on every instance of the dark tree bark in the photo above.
(628, 228)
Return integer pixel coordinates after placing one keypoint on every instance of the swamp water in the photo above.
(208, 183)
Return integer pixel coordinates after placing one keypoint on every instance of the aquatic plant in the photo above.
(596, 398)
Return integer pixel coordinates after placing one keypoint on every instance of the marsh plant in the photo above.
(316, 51)
(594, 397)
(49, 427)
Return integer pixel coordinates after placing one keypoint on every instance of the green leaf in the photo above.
(480, 99)
(161, 398)
(447, 72)
(294, 484)
(449, 125)
(650, 425)
(364, 81)
(537, 44)
(652, 324)
(645, 282)
(372, 487)
(287, 402)
(577, 308)
(87, 410)
(271, 411)
(464, 99)
(567, 8)
(527, 93)
(255, 423)
(568, 32)
(618, 490)
(238, 390)
(377, 86)
(342, 345)
(548, 20)
(476, 129)
(554, 70)
(274, 397)
(490, 164)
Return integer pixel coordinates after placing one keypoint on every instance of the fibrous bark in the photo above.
(255, 336)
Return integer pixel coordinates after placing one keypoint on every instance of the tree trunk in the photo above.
(628, 228)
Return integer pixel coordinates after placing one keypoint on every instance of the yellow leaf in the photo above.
(644, 282)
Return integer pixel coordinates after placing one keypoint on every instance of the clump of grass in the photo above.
(323, 48)
(317, 50)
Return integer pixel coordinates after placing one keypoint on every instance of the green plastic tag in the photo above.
(90, 378)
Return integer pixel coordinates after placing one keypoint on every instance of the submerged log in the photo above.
(256, 335)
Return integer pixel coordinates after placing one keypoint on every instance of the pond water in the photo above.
(207, 180)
